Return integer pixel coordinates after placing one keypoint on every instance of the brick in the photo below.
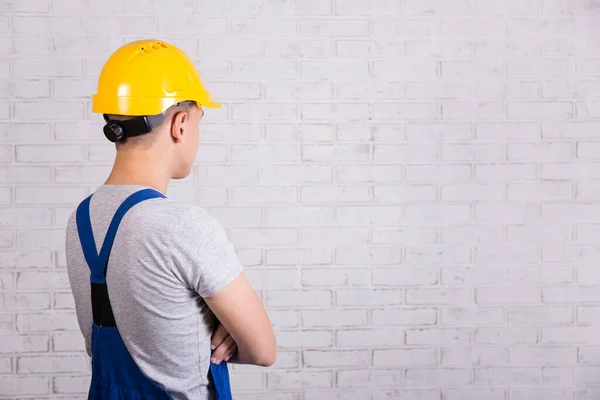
(259, 70)
(438, 254)
(471, 316)
(334, 27)
(555, 355)
(369, 378)
(256, 153)
(473, 275)
(299, 216)
(35, 6)
(313, 132)
(275, 279)
(361, 173)
(48, 321)
(406, 70)
(545, 393)
(46, 153)
(26, 301)
(273, 236)
(284, 318)
(303, 256)
(436, 336)
(474, 393)
(369, 48)
(6, 365)
(430, 296)
(334, 318)
(539, 191)
(15, 343)
(52, 364)
(408, 152)
(438, 132)
(535, 275)
(299, 380)
(515, 376)
(384, 132)
(20, 385)
(50, 195)
(48, 111)
(224, 174)
(506, 172)
(374, 255)
(271, 112)
(292, 91)
(438, 90)
(370, 91)
(439, 377)
(500, 131)
(336, 358)
(539, 110)
(32, 88)
(205, 195)
(334, 277)
(294, 174)
(467, 192)
(467, 356)
(407, 236)
(404, 357)
(366, 215)
(539, 233)
(299, 48)
(335, 112)
(437, 173)
(335, 194)
(301, 339)
(370, 337)
(259, 27)
(569, 335)
(404, 276)
(300, 298)
(501, 295)
(437, 214)
(558, 376)
(406, 111)
(374, 297)
(264, 194)
(546, 152)
(482, 69)
(404, 316)
(338, 152)
(471, 27)
(404, 193)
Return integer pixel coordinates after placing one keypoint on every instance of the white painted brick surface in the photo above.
(411, 184)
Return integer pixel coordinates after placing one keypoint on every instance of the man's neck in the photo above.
(139, 168)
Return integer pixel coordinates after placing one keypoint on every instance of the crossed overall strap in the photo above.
(98, 263)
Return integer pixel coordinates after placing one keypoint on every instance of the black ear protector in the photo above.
(113, 132)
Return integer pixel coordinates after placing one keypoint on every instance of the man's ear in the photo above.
(178, 123)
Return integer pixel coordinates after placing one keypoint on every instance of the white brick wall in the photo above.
(410, 183)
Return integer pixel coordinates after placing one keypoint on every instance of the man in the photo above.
(149, 275)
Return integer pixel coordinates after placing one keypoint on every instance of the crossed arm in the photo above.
(244, 334)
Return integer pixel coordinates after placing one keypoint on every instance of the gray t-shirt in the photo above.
(166, 258)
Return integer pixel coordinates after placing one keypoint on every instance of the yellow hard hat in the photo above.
(145, 77)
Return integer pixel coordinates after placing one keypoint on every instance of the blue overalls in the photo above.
(114, 373)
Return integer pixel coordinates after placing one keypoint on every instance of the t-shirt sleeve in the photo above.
(201, 253)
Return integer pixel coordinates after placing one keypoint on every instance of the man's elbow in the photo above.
(267, 358)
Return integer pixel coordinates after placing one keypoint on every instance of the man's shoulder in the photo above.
(168, 213)
(180, 217)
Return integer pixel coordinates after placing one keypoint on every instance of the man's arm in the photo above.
(242, 314)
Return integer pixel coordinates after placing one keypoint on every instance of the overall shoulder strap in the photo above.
(98, 262)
